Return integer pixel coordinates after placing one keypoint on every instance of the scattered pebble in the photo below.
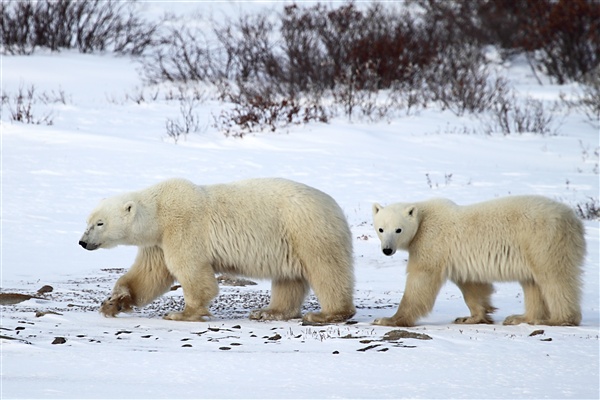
(45, 289)
(39, 314)
(369, 347)
(537, 332)
(397, 334)
(59, 340)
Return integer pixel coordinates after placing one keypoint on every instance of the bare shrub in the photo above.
(188, 121)
(562, 37)
(587, 99)
(509, 116)
(258, 109)
(96, 25)
(461, 82)
(21, 106)
(589, 210)
(248, 46)
(566, 41)
(179, 54)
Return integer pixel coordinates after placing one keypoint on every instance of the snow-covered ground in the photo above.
(102, 143)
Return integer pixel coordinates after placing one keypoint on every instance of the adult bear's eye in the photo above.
(100, 223)
(381, 230)
(398, 230)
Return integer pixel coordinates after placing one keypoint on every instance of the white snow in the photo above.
(102, 143)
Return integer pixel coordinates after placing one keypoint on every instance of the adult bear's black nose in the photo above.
(83, 244)
(387, 252)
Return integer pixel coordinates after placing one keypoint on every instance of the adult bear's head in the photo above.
(117, 220)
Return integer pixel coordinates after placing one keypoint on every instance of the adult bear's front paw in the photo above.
(115, 304)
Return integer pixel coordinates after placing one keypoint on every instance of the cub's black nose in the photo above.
(388, 252)
(82, 244)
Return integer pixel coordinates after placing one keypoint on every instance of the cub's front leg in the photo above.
(147, 279)
(422, 287)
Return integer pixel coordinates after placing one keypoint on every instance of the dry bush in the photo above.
(589, 210)
(96, 25)
(567, 39)
(22, 105)
(587, 99)
(248, 47)
(460, 80)
(562, 37)
(179, 54)
(511, 116)
(258, 109)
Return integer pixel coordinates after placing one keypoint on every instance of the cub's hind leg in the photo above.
(477, 296)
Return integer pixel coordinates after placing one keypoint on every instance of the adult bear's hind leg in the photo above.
(287, 296)
(332, 280)
(536, 310)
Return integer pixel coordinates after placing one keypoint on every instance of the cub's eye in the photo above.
(380, 230)
(398, 230)
(100, 223)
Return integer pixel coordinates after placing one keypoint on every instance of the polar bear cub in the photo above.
(533, 240)
(269, 228)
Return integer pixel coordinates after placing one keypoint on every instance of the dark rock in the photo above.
(45, 289)
(398, 334)
(59, 340)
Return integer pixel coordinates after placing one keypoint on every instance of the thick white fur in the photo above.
(530, 239)
(285, 231)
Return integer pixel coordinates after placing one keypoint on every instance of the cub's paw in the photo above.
(393, 322)
(266, 314)
(116, 304)
(474, 320)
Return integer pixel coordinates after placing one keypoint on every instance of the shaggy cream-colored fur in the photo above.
(276, 229)
(530, 239)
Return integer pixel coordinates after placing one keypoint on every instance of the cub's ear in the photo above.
(411, 211)
(129, 208)
(376, 208)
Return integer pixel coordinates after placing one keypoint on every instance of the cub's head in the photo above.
(396, 226)
(110, 224)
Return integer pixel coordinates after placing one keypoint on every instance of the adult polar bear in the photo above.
(270, 228)
(530, 239)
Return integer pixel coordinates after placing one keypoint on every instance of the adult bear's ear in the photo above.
(129, 208)
(376, 208)
(411, 211)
